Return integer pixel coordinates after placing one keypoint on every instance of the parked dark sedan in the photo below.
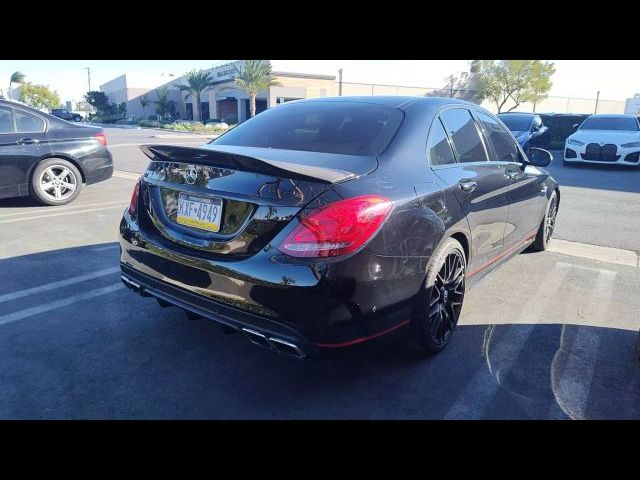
(526, 127)
(324, 223)
(48, 158)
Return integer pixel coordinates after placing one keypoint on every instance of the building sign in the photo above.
(225, 73)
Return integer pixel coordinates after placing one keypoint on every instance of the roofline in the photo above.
(303, 75)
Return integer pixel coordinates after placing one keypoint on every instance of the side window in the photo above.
(440, 152)
(6, 121)
(464, 135)
(503, 144)
(27, 123)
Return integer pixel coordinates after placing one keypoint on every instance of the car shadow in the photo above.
(20, 202)
(78, 344)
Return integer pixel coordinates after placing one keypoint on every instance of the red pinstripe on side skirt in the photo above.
(402, 324)
(530, 235)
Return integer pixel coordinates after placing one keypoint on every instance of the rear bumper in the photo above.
(237, 319)
(314, 305)
(98, 168)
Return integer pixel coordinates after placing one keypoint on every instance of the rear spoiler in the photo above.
(302, 165)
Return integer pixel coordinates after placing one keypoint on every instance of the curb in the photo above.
(112, 125)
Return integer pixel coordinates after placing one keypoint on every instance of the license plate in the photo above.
(199, 212)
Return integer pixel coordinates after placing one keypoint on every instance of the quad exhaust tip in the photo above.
(278, 345)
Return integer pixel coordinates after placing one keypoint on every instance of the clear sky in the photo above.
(616, 79)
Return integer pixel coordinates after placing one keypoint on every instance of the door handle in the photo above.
(28, 141)
(467, 185)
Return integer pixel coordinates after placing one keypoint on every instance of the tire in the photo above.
(59, 175)
(545, 230)
(435, 313)
(77, 118)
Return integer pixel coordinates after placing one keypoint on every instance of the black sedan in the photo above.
(47, 157)
(325, 223)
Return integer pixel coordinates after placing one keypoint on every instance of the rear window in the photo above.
(610, 123)
(517, 123)
(346, 128)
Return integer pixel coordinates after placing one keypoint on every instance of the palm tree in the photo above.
(254, 76)
(198, 82)
(16, 77)
(163, 104)
(144, 102)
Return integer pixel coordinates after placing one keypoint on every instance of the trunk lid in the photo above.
(258, 191)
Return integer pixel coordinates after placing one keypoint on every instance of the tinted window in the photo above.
(28, 123)
(464, 135)
(502, 142)
(610, 123)
(328, 127)
(6, 122)
(440, 152)
(517, 123)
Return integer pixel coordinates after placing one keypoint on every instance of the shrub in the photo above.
(195, 127)
(230, 118)
(149, 124)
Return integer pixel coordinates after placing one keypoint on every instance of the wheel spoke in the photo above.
(69, 186)
(49, 172)
(46, 186)
(65, 171)
(58, 192)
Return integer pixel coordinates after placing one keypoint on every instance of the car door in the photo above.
(526, 193)
(480, 186)
(22, 144)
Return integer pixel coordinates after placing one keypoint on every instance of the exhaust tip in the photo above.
(276, 344)
(256, 337)
(287, 348)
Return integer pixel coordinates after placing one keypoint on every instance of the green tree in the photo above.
(253, 76)
(100, 102)
(39, 96)
(144, 102)
(198, 82)
(164, 106)
(16, 77)
(516, 80)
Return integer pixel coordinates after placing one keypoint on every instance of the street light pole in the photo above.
(88, 77)
(597, 100)
(340, 82)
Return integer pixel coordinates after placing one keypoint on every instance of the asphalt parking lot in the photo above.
(548, 336)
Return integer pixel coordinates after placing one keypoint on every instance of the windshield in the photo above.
(347, 128)
(516, 123)
(628, 124)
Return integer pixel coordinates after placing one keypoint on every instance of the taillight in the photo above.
(102, 139)
(338, 228)
(133, 205)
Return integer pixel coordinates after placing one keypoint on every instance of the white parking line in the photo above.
(594, 252)
(35, 217)
(59, 284)
(58, 209)
(129, 175)
(482, 388)
(46, 307)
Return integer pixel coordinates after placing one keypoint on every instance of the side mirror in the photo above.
(539, 157)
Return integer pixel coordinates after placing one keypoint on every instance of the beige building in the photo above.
(224, 100)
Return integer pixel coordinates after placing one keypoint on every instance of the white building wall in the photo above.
(632, 105)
